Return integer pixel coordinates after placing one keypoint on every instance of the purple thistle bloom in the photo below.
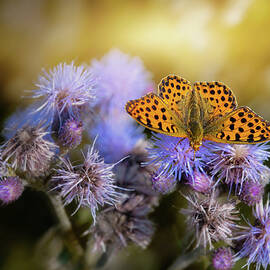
(70, 134)
(236, 164)
(255, 239)
(11, 189)
(120, 78)
(90, 184)
(65, 87)
(200, 182)
(211, 220)
(29, 151)
(223, 259)
(118, 136)
(163, 184)
(252, 192)
(174, 156)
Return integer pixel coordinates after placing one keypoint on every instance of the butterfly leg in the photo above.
(180, 140)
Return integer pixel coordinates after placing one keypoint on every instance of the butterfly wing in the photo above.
(218, 98)
(173, 90)
(242, 126)
(151, 112)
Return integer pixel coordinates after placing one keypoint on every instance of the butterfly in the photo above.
(206, 111)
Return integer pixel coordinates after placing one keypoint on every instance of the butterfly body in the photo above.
(206, 111)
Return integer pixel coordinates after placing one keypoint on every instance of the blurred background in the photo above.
(225, 40)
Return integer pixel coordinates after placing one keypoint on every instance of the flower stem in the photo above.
(66, 229)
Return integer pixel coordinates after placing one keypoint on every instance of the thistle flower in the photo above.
(70, 134)
(236, 164)
(11, 189)
(65, 88)
(126, 223)
(135, 178)
(28, 151)
(118, 137)
(251, 192)
(121, 78)
(200, 182)
(211, 220)
(223, 259)
(255, 239)
(163, 184)
(174, 156)
(90, 184)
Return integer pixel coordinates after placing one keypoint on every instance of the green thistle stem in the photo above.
(66, 229)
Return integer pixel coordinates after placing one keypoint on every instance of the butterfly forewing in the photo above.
(218, 95)
(173, 90)
(150, 111)
(242, 126)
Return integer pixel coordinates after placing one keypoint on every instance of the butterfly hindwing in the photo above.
(242, 126)
(219, 96)
(151, 112)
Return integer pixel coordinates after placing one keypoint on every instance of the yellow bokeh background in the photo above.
(226, 40)
(200, 40)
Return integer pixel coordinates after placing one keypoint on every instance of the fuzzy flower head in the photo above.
(236, 164)
(65, 87)
(201, 182)
(211, 220)
(126, 223)
(223, 259)
(162, 184)
(255, 239)
(90, 184)
(70, 134)
(11, 189)
(120, 78)
(174, 156)
(117, 137)
(251, 193)
(29, 151)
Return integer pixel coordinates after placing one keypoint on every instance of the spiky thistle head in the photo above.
(235, 164)
(254, 240)
(200, 182)
(124, 224)
(11, 189)
(223, 259)
(91, 184)
(251, 193)
(70, 133)
(210, 219)
(174, 157)
(65, 87)
(29, 151)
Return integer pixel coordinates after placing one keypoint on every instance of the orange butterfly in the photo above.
(206, 111)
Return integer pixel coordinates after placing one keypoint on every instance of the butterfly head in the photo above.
(195, 145)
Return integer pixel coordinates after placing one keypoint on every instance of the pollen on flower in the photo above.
(11, 189)
(91, 184)
(28, 151)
